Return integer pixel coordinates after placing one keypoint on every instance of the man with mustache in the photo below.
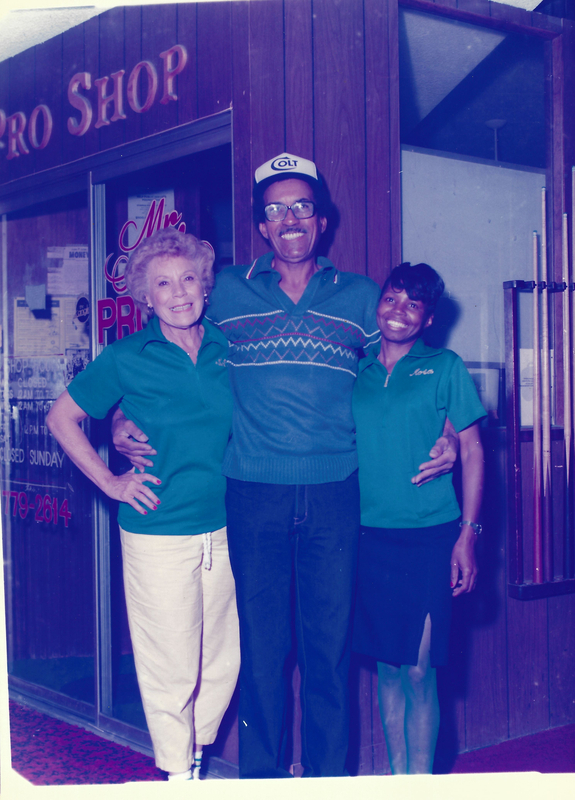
(296, 327)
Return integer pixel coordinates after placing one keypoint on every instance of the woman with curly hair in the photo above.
(171, 380)
(415, 550)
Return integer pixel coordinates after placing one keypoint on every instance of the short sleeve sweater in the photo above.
(185, 410)
(398, 417)
(292, 370)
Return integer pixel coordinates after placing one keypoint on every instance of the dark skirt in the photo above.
(404, 575)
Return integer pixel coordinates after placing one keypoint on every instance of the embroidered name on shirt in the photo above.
(421, 372)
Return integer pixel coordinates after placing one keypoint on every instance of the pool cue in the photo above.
(567, 388)
(569, 538)
(537, 522)
(546, 402)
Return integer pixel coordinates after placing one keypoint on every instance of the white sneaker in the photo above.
(180, 776)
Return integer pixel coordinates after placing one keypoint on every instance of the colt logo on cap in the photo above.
(286, 162)
(282, 163)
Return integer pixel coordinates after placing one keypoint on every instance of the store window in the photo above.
(46, 502)
(473, 167)
(475, 105)
(64, 300)
(192, 194)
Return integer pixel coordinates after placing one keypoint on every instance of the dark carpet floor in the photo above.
(47, 751)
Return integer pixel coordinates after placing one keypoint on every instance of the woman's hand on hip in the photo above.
(129, 488)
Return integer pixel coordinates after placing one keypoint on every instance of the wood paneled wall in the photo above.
(320, 78)
(319, 82)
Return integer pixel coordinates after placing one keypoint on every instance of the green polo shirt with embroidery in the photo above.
(398, 418)
(186, 411)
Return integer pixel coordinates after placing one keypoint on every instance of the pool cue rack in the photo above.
(540, 491)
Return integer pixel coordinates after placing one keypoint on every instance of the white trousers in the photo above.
(185, 637)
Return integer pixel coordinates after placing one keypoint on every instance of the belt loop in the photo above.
(298, 520)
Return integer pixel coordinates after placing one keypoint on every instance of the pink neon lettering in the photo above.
(172, 219)
(125, 319)
(115, 278)
(105, 321)
(153, 222)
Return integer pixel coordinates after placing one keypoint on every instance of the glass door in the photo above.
(46, 502)
(193, 194)
(63, 301)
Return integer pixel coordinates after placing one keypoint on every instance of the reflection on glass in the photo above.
(194, 191)
(46, 503)
(471, 90)
(473, 159)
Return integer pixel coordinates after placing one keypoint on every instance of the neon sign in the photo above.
(121, 312)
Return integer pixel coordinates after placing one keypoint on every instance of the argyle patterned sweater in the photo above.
(292, 369)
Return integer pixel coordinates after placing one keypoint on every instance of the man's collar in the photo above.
(264, 264)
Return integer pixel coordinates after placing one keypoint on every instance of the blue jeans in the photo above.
(302, 539)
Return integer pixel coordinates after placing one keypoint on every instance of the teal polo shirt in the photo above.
(398, 418)
(186, 411)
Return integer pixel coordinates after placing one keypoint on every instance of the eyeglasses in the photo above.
(301, 209)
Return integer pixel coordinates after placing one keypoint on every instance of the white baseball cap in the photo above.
(286, 163)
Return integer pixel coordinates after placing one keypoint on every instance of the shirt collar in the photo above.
(153, 333)
(264, 264)
(369, 359)
(422, 350)
(419, 350)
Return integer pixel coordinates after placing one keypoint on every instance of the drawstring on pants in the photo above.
(207, 550)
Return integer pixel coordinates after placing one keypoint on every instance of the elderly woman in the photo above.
(171, 380)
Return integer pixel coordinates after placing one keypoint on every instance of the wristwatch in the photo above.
(477, 528)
